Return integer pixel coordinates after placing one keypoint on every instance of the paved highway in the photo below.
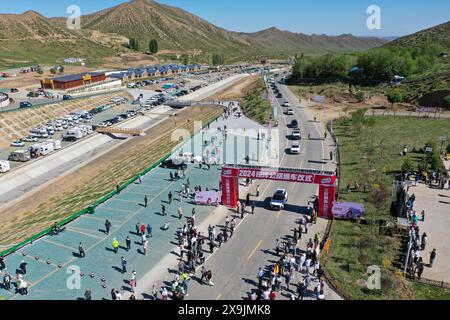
(235, 265)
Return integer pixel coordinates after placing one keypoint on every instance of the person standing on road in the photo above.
(115, 245)
(138, 228)
(170, 196)
(257, 190)
(128, 243)
(145, 201)
(2, 263)
(209, 278)
(81, 250)
(108, 226)
(253, 207)
(23, 267)
(163, 210)
(247, 201)
(424, 241)
(144, 247)
(133, 281)
(149, 230)
(123, 263)
(432, 257)
(180, 213)
(142, 229)
(7, 281)
(113, 294)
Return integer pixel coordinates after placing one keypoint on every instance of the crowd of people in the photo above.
(292, 260)
(418, 242)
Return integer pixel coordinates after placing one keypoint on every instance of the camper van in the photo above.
(19, 155)
(56, 143)
(74, 134)
(41, 149)
(86, 130)
(4, 166)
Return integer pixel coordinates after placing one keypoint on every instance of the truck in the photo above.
(4, 166)
(20, 156)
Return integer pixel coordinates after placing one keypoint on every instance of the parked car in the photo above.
(25, 104)
(295, 148)
(296, 134)
(294, 124)
(279, 199)
(169, 164)
(13, 90)
(290, 112)
(67, 97)
(30, 139)
(18, 143)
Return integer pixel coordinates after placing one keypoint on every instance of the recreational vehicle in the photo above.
(4, 166)
(19, 155)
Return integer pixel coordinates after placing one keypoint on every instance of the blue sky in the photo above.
(399, 17)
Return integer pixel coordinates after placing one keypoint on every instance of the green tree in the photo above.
(153, 46)
(217, 59)
(39, 70)
(61, 69)
(185, 59)
(134, 44)
(448, 148)
(407, 165)
(395, 96)
(53, 71)
(447, 102)
(360, 96)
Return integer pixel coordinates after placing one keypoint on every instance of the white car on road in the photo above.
(290, 112)
(279, 199)
(295, 148)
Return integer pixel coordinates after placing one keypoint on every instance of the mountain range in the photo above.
(31, 36)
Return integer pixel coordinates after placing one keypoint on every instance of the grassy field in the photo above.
(371, 155)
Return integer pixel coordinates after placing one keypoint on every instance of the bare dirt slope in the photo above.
(237, 91)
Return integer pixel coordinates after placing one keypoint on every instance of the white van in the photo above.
(75, 133)
(56, 143)
(4, 166)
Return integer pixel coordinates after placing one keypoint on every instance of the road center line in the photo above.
(254, 250)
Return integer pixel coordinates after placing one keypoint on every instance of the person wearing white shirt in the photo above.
(301, 262)
(308, 265)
